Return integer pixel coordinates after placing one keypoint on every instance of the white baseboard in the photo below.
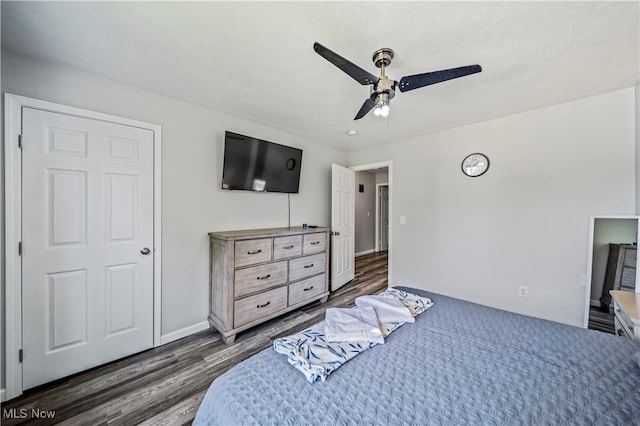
(183, 332)
(2, 395)
(362, 253)
(595, 303)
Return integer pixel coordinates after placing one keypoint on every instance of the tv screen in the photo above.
(252, 164)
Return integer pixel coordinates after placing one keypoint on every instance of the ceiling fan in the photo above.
(383, 89)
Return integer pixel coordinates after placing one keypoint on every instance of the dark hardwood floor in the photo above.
(601, 321)
(164, 386)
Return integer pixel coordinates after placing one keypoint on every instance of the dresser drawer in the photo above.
(314, 243)
(307, 266)
(630, 257)
(260, 305)
(285, 247)
(250, 252)
(621, 330)
(623, 320)
(257, 278)
(628, 279)
(306, 289)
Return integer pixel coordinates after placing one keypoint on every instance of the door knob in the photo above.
(145, 251)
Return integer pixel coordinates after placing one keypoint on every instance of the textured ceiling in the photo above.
(255, 60)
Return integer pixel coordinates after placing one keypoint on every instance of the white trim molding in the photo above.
(13, 105)
(362, 253)
(184, 332)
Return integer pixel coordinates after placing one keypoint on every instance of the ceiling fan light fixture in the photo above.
(382, 105)
(382, 110)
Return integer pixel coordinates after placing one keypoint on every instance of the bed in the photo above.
(459, 363)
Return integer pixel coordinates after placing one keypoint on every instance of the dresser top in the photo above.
(630, 302)
(625, 245)
(271, 232)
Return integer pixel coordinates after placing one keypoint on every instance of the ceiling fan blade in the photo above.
(366, 107)
(420, 80)
(358, 74)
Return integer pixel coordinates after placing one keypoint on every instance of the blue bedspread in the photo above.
(459, 363)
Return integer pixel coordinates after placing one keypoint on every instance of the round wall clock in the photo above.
(475, 164)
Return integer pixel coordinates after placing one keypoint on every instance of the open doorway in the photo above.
(372, 212)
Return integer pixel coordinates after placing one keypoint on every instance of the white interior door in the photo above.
(87, 261)
(342, 226)
(384, 218)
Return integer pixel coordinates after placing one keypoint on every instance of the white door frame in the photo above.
(389, 165)
(376, 246)
(13, 105)
(589, 276)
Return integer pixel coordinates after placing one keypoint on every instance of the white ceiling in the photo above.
(255, 60)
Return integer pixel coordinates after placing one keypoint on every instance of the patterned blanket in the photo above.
(310, 351)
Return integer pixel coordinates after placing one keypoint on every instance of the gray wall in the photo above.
(382, 177)
(192, 202)
(526, 221)
(365, 212)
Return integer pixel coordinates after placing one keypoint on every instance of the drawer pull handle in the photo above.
(262, 306)
(307, 289)
(288, 247)
(254, 251)
(631, 327)
(315, 243)
(264, 277)
(308, 266)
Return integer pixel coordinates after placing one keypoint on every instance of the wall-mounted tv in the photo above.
(252, 164)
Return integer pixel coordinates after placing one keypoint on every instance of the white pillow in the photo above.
(352, 325)
(388, 308)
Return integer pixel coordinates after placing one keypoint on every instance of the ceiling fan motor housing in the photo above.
(384, 85)
(382, 57)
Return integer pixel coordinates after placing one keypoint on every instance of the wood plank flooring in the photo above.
(601, 321)
(165, 385)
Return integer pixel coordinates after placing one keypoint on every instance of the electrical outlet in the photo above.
(523, 291)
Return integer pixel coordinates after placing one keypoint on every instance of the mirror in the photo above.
(612, 265)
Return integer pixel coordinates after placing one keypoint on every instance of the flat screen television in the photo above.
(252, 164)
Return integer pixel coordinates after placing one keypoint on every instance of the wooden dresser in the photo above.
(256, 275)
(627, 313)
(621, 272)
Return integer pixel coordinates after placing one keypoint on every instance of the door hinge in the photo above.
(20, 248)
(20, 355)
(20, 141)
